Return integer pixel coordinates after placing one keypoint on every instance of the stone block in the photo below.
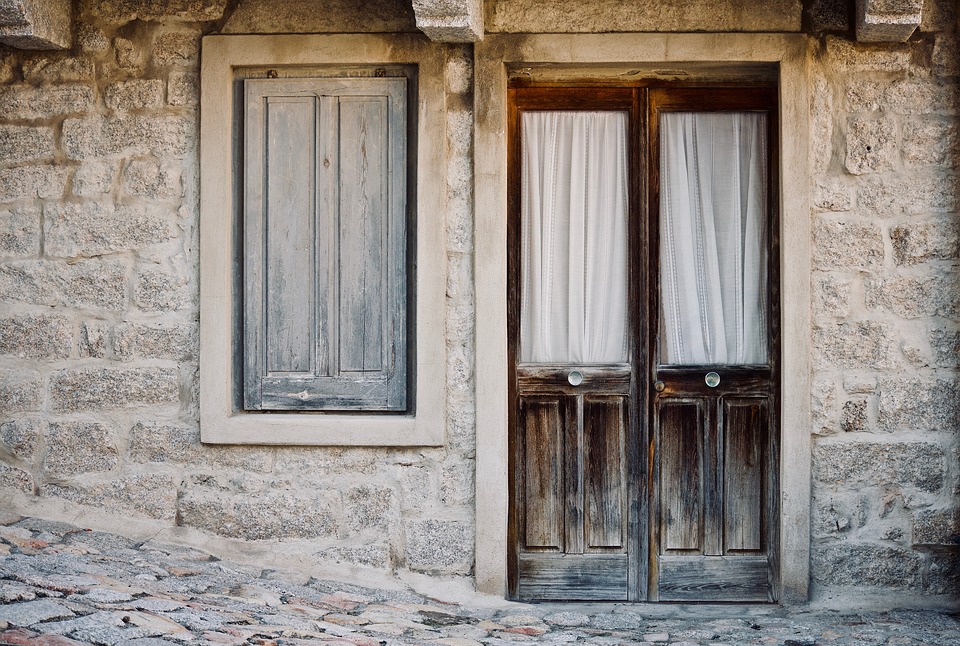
(914, 296)
(526, 16)
(36, 24)
(887, 21)
(457, 483)
(828, 15)
(935, 239)
(153, 180)
(856, 564)
(458, 73)
(151, 495)
(156, 290)
(854, 417)
(890, 195)
(36, 337)
(14, 478)
(31, 182)
(176, 48)
(921, 96)
(936, 527)
(20, 144)
(75, 448)
(128, 135)
(19, 436)
(20, 231)
(943, 577)
(306, 16)
(845, 56)
(866, 95)
(845, 243)
(109, 388)
(860, 344)
(30, 102)
(183, 88)
(176, 341)
(371, 507)
(946, 55)
(91, 228)
(93, 179)
(439, 544)
(21, 390)
(267, 516)
(155, 442)
(831, 295)
(931, 142)
(871, 145)
(450, 21)
(822, 124)
(375, 556)
(52, 69)
(134, 95)
(94, 339)
(846, 465)
(119, 12)
(832, 194)
(91, 39)
(945, 344)
(93, 283)
(919, 404)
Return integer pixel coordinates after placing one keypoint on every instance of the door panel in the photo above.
(681, 468)
(604, 426)
(745, 423)
(543, 488)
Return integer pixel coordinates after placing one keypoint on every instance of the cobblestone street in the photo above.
(62, 585)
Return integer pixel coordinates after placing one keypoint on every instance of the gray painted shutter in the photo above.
(325, 268)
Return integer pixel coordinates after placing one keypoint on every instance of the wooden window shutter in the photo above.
(324, 237)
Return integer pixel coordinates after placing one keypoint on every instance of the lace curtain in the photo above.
(574, 237)
(713, 238)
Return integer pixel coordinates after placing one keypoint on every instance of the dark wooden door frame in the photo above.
(645, 100)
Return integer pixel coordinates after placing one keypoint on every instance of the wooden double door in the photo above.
(643, 341)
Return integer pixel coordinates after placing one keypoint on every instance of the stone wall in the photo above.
(99, 315)
(886, 287)
(99, 299)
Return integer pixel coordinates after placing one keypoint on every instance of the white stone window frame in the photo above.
(591, 56)
(221, 421)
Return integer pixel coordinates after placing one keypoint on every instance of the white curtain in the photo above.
(574, 237)
(713, 199)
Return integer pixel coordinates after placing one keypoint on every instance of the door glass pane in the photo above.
(573, 237)
(713, 247)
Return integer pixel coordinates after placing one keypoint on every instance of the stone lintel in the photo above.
(450, 21)
(36, 24)
(887, 21)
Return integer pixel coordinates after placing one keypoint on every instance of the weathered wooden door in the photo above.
(633, 475)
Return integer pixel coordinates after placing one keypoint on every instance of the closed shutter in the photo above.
(324, 235)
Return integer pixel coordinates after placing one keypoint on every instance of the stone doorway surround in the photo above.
(587, 55)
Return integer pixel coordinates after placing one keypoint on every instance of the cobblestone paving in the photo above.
(63, 585)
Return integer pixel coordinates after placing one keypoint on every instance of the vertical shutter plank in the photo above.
(290, 265)
(363, 171)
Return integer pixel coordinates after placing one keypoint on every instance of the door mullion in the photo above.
(710, 480)
(574, 476)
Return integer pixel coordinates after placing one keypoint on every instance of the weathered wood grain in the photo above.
(745, 429)
(543, 424)
(714, 578)
(587, 577)
(604, 428)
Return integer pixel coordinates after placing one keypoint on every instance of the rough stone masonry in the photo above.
(99, 298)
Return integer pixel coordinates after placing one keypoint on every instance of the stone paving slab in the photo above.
(61, 585)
